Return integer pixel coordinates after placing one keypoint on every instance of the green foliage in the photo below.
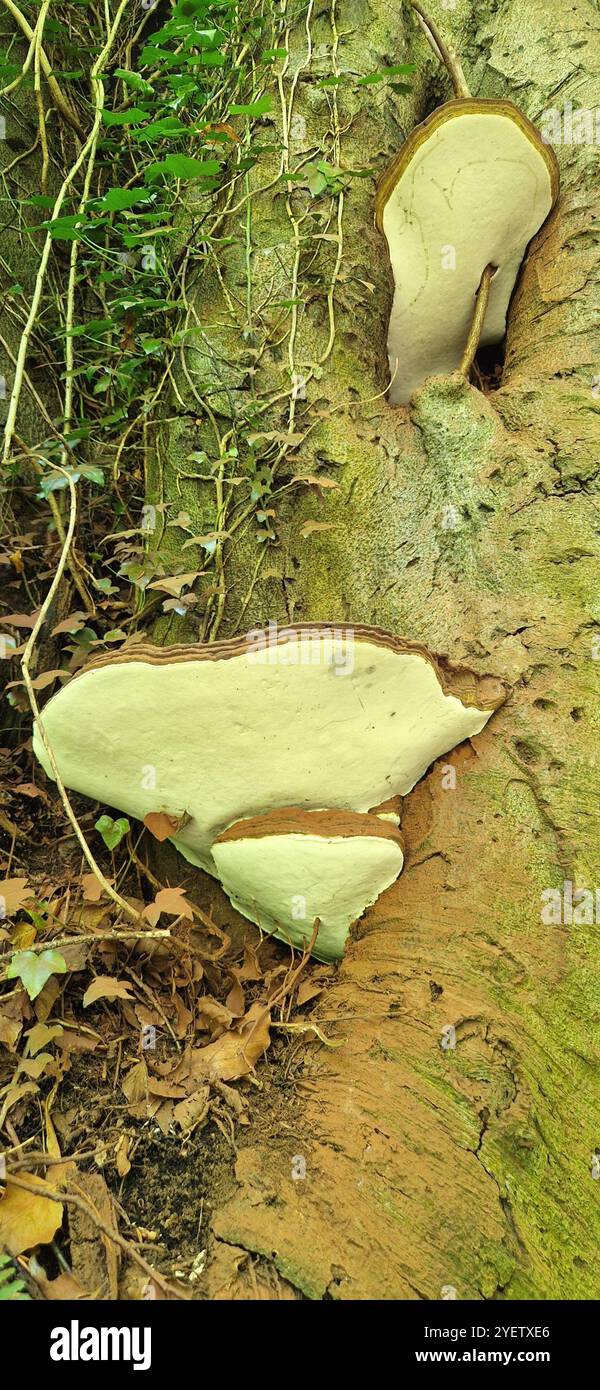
(12, 1288)
(112, 831)
(34, 968)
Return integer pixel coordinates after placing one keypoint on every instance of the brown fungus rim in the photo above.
(485, 692)
(461, 106)
(292, 820)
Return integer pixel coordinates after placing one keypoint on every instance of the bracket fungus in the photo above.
(247, 736)
(284, 869)
(458, 207)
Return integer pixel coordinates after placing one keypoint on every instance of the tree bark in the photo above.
(470, 1166)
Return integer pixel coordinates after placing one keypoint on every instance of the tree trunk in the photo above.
(427, 1167)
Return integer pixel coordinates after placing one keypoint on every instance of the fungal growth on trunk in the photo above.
(284, 869)
(260, 746)
(458, 207)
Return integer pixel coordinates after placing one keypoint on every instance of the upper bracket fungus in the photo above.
(302, 719)
(458, 207)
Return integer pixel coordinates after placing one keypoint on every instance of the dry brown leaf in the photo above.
(61, 1289)
(235, 1053)
(135, 1084)
(307, 990)
(21, 619)
(192, 1110)
(251, 969)
(105, 987)
(72, 624)
(27, 1219)
(315, 479)
(214, 1011)
(40, 1035)
(122, 1156)
(235, 1000)
(13, 893)
(30, 789)
(92, 888)
(46, 678)
(174, 583)
(171, 901)
(38, 1066)
(10, 1029)
(160, 825)
(168, 1090)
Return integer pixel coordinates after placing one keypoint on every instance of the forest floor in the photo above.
(139, 1069)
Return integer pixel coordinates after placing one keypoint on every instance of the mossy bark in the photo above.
(468, 1167)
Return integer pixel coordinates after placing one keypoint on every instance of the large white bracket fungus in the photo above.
(308, 718)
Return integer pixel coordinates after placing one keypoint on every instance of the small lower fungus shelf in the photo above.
(239, 732)
(286, 868)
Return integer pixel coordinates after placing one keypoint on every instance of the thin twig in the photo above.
(27, 655)
(443, 50)
(479, 313)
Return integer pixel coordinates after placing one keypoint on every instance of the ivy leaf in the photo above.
(182, 166)
(133, 79)
(112, 831)
(252, 108)
(34, 970)
(157, 130)
(118, 198)
(132, 116)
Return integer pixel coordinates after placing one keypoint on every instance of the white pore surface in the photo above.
(282, 882)
(228, 738)
(476, 186)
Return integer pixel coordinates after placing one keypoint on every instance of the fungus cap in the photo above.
(286, 868)
(470, 188)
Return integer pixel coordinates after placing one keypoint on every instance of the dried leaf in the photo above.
(10, 1030)
(27, 1219)
(92, 888)
(135, 1084)
(235, 1053)
(13, 893)
(191, 1111)
(72, 624)
(171, 901)
(315, 479)
(174, 583)
(160, 825)
(105, 987)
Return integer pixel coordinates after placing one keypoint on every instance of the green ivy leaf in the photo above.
(252, 108)
(112, 831)
(182, 166)
(132, 116)
(118, 198)
(133, 79)
(33, 970)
